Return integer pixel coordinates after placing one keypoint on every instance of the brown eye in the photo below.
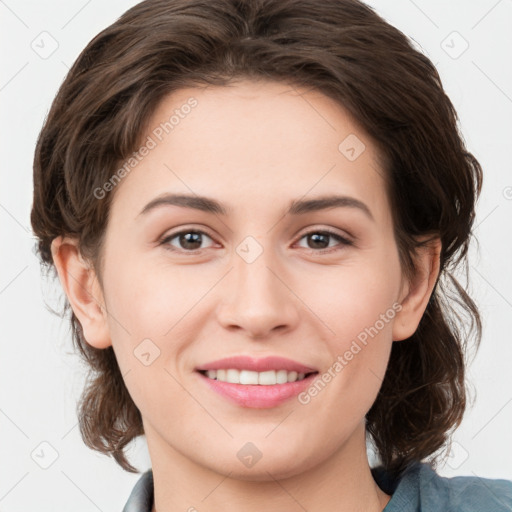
(187, 240)
(319, 240)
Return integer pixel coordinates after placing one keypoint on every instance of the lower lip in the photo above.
(258, 396)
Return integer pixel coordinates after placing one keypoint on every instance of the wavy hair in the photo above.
(341, 48)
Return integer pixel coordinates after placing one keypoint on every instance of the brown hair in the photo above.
(341, 48)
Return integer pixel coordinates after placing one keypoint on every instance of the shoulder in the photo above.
(469, 493)
(141, 497)
(461, 493)
(420, 489)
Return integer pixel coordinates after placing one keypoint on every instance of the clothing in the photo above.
(419, 489)
(141, 497)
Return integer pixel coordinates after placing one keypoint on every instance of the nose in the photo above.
(257, 299)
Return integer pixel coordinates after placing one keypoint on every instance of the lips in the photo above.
(272, 391)
(257, 365)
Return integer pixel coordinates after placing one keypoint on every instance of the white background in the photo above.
(41, 379)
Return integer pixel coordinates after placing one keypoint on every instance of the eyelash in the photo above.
(344, 242)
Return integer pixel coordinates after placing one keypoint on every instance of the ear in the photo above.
(417, 290)
(82, 288)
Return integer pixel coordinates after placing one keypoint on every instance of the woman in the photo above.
(254, 208)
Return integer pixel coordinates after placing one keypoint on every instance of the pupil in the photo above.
(315, 238)
(188, 238)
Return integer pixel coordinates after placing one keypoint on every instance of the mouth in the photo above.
(256, 383)
(252, 378)
(259, 365)
(249, 388)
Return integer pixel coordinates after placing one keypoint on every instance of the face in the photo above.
(269, 272)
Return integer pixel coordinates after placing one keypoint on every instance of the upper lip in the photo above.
(256, 364)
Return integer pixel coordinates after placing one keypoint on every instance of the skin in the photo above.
(254, 147)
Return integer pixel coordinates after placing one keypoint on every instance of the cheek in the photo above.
(358, 298)
(145, 313)
(361, 309)
(149, 305)
(148, 298)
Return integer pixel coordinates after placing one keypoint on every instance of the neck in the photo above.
(342, 483)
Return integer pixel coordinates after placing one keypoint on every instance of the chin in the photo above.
(269, 463)
(263, 471)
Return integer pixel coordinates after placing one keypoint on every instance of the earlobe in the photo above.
(80, 283)
(418, 290)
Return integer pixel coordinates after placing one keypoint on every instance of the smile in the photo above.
(267, 378)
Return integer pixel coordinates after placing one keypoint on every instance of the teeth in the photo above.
(267, 378)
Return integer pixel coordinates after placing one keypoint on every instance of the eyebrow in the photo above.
(297, 207)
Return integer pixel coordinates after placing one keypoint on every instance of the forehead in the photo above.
(264, 140)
